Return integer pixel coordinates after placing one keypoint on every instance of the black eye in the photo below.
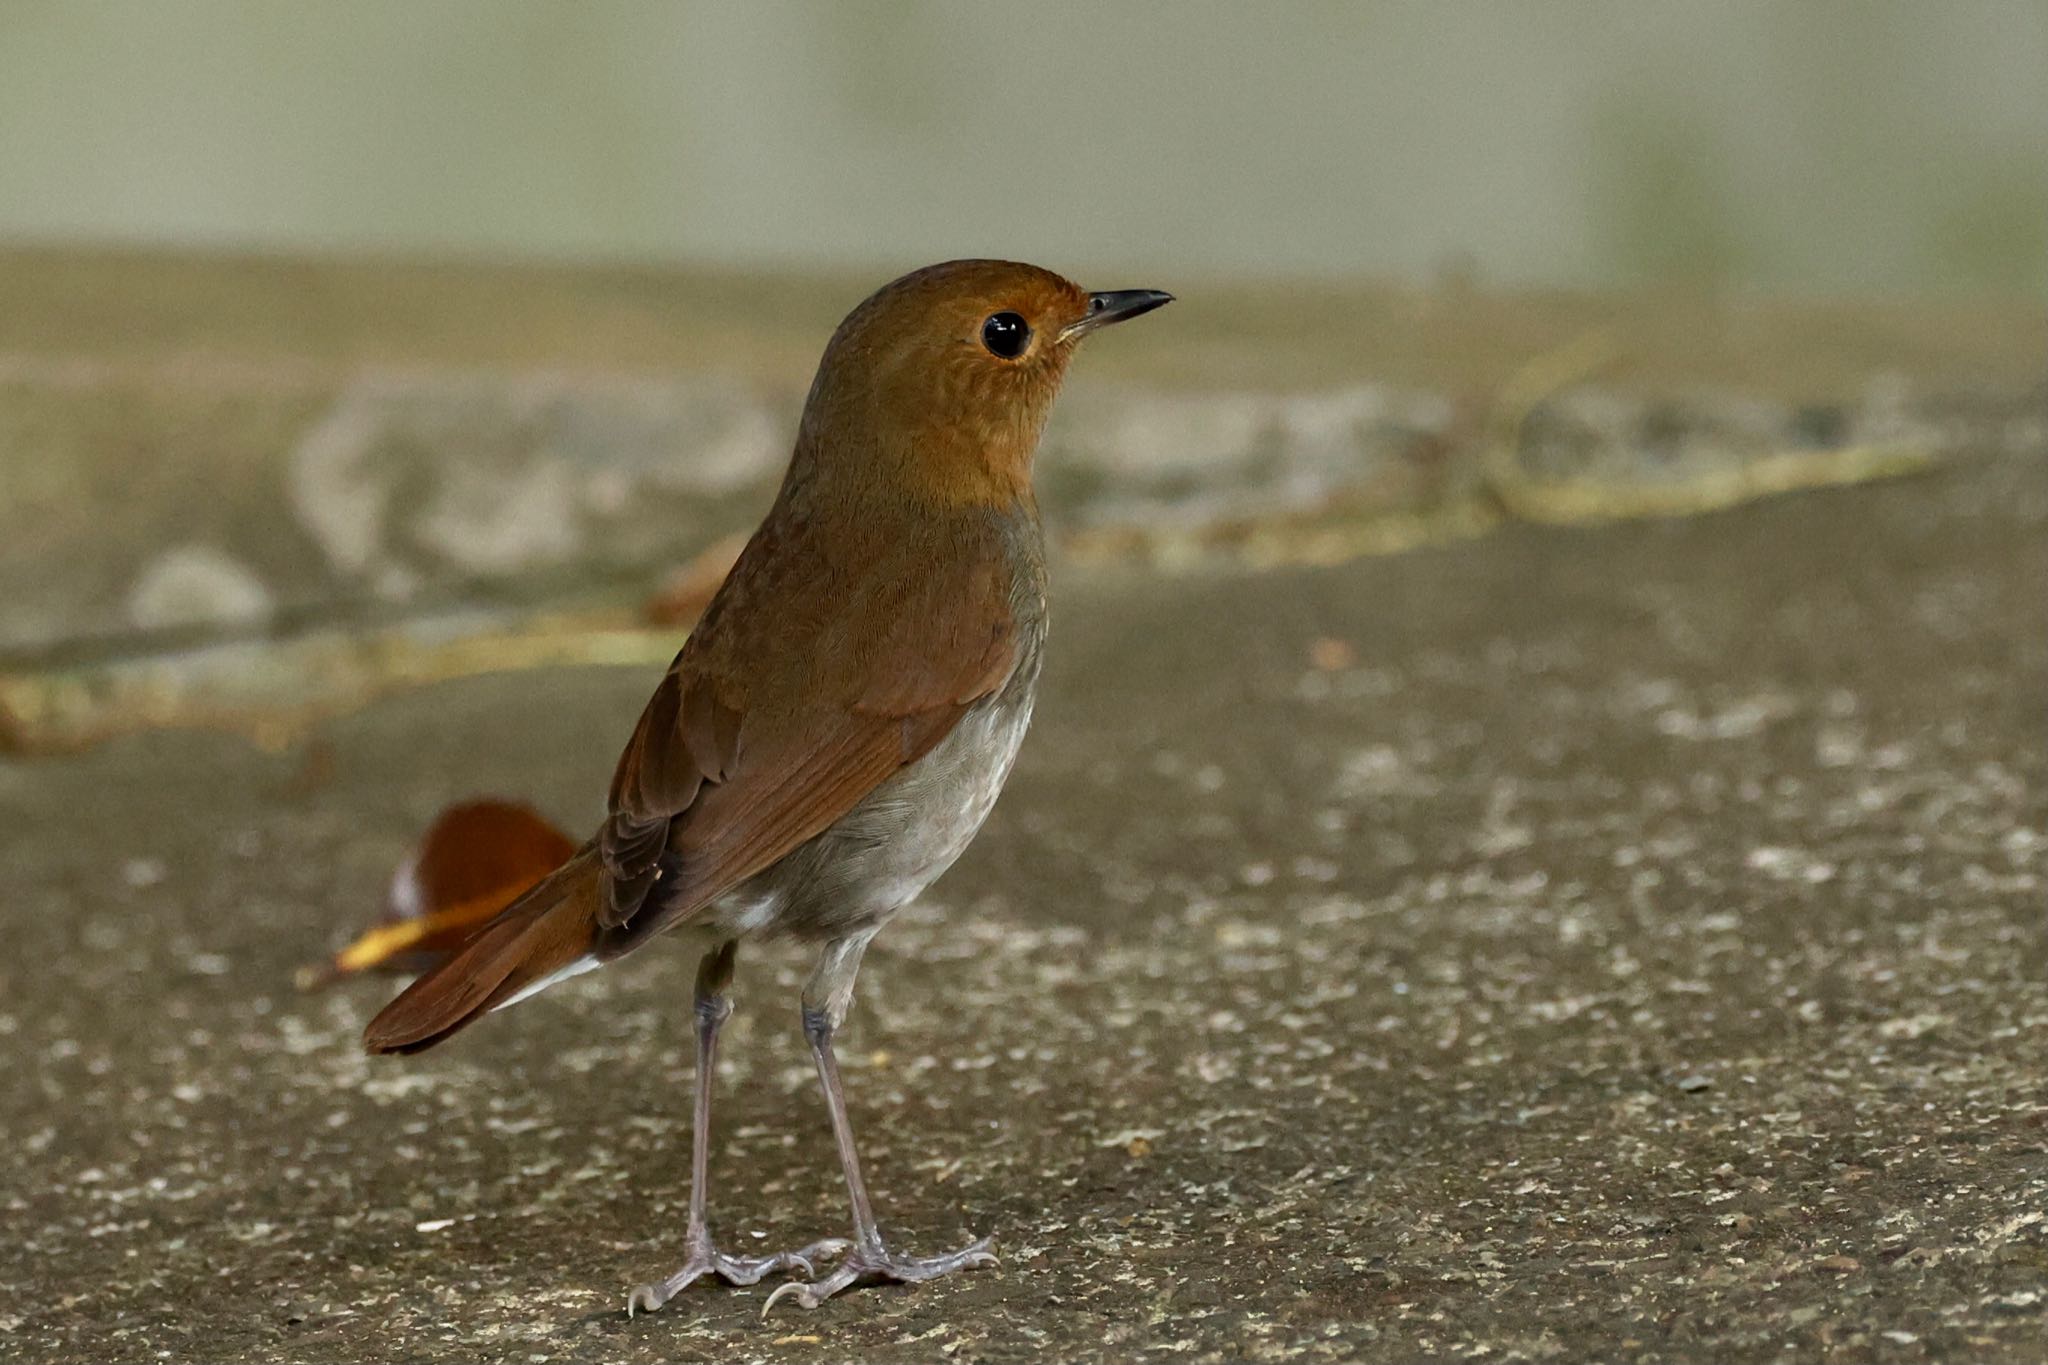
(1006, 335)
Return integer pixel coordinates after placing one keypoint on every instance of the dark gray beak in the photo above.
(1115, 306)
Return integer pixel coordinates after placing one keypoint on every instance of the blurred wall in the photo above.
(1864, 146)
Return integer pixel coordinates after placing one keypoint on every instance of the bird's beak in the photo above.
(1115, 306)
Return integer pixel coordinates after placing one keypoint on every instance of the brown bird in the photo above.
(836, 729)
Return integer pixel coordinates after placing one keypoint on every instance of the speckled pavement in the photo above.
(1583, 944)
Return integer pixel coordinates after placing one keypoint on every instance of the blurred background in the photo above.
(329, 319)
(325, 318)
(1856, 147)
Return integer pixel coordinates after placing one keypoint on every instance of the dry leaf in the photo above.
(474, 860)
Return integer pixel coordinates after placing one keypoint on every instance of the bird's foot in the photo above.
(877, 1263)
(706, 1259)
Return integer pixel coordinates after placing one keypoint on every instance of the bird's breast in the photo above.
(905, 833)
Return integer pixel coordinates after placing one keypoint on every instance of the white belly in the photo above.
(897, 841)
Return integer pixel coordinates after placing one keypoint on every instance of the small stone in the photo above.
(1129, 1137)
(197, 585)
(139, 874)
(1911, 1026)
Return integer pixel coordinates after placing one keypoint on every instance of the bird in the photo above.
(836, 728)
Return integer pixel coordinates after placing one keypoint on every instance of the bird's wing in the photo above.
(734, 765)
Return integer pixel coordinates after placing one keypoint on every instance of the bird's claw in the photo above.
(878, 1264)
(740, 1270)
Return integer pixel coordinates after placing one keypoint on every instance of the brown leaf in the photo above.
(474, 860)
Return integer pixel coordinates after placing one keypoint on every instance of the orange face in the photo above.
(949, 373)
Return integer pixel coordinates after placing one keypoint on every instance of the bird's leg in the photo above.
(714, 974)
(826, 1000)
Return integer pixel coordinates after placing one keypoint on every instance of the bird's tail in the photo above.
(547, 934)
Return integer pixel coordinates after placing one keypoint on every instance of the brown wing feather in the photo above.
(732, 767)
(686, 737)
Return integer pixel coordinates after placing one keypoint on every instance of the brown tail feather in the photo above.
(542, 932)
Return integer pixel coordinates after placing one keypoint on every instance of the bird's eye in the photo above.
(1006, 335)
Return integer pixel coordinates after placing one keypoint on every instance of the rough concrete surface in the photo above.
(1573, 943)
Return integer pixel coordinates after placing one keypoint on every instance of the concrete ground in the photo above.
(1601, 943)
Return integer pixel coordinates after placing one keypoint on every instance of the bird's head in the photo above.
(941, 381)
